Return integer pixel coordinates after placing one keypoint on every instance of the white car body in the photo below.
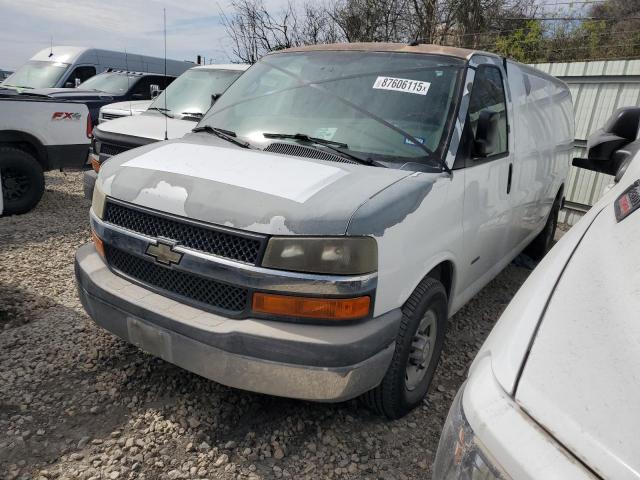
(552, 393)
(56, 129)
(123, 109)
(468, 223)
(82, 63)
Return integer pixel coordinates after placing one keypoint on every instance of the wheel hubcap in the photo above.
(422, 346)
(14, 184)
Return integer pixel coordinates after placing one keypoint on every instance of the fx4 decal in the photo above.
(66, 116)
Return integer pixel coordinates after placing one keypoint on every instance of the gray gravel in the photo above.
(76, 402)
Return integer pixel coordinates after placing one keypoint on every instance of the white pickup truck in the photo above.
(36, 135)
(326, 217)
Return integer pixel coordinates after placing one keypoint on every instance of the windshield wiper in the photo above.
(227, 135)
(161, 110)
(192, 114)
(338, 147)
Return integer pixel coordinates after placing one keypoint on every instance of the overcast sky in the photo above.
(193, 27)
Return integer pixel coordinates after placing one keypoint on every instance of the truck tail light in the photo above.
(318, 308)
(89, 126)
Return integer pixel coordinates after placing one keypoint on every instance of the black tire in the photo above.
(540, 245)
(22, 180)
(394, 397)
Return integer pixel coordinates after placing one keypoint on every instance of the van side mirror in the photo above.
(154, 90)
(485, 141)
(603, 144)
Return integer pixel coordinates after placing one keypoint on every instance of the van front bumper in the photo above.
(329, 363)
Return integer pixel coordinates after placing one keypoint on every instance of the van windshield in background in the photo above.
(355, 98)
(190, 94)
(113, 83)
(37, 74)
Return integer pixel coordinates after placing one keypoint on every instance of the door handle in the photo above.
(509, 178)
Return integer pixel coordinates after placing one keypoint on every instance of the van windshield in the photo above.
(366, 101)
(113, 83)
(36, 74)
(191, 93)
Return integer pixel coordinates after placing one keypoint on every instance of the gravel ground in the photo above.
(76, 402)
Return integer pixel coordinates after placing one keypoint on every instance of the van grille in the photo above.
(110, 116)
(111, 149)
(190, 234)
(206, 292)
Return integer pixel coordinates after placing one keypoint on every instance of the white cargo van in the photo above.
(553, 392)
(327, 216)
(67, 67)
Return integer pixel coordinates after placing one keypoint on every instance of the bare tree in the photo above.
(255, 31)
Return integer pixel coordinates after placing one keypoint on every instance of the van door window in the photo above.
(488, 96)
(82, 74)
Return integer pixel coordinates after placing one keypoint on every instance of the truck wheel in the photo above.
(540, 245)
(22, 180)
(418, 346)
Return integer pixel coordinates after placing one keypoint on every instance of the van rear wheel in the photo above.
(22, 180)
(418, 346)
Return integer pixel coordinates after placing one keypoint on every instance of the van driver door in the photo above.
(488, 170)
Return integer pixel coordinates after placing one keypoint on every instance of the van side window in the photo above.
(82, 74)
(488, 94)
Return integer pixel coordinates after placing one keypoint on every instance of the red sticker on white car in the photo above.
(66, 116)
(628, 202)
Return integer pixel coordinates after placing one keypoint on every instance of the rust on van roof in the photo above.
(389, 47)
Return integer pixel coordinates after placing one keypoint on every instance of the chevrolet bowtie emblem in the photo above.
(164, 253)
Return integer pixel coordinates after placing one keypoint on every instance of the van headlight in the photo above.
(99, 201)
(460, 455)
(329, 255)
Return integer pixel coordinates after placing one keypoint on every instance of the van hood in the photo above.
(149, 125)
(129, 107)
(581, 380)
(72, 94)
(205, 178)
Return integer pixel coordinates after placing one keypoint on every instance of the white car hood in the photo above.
(132, 107)
(150, 126)
(581, 380)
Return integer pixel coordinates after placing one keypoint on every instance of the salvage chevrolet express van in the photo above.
(326, 217)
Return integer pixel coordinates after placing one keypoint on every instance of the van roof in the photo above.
(61, 53)
(424, 48)
(240, 67)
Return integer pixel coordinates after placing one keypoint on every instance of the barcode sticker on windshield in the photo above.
(402, 85)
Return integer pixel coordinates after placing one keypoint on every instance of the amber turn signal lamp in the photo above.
(95, 164)
(97, 241)
(304, 307)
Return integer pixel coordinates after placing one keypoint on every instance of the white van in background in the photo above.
(123, 109)
(171, 115)
(68, 67)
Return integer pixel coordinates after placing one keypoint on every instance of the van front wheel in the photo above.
(418, 346)
(540, 245)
